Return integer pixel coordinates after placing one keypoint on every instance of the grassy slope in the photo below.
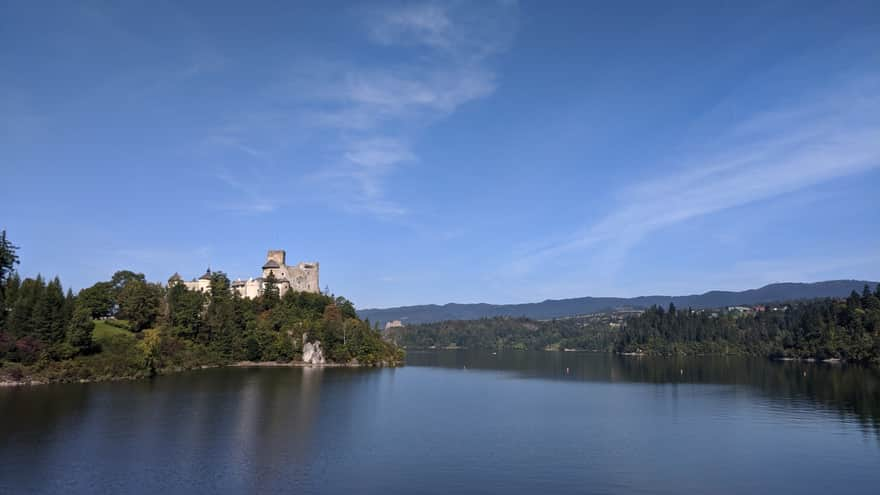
(105, 331)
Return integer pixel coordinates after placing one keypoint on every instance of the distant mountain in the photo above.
(584, 305)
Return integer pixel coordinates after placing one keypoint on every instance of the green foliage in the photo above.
(139, 303)
(593, 333)
(822, 329)
(271, 294)
(21, 319)
(80, 329)
(185, 310)
(127, 327)
(49, 314)
(99, 299)
(8, 258)
(846, 329)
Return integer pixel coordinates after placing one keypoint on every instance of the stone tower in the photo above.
(278, 256)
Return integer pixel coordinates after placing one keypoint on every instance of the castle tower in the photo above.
(278, 256)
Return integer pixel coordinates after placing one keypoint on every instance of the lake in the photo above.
(455, 422)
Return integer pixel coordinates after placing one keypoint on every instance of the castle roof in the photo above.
(207, 275)
(175, 277)
(271, 264)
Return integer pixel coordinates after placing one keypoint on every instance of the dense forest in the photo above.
(127, 327)
(588, 333)
(846, 329)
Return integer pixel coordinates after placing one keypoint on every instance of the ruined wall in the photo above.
(277, 255)
(304, 277)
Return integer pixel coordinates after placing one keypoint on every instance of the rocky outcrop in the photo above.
(312, 352)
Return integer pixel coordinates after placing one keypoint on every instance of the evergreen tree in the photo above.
(7, 298)
(8, 260)
(69, 305)
(49, 323)
(185, 310)
(270, 291)
(219, 322)
(21, 321)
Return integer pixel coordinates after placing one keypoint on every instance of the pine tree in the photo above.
(8, 259)
(23, 320)
(219, 327)
(270, 291)
(49, 314)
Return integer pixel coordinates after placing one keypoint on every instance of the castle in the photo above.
(302, 277)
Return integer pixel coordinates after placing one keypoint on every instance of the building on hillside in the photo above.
(393, 324)
(302, 277)
(201, 284)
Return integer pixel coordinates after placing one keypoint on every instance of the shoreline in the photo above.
(299, 364)
(238, 364)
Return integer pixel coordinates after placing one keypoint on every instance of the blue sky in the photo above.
(436, 152)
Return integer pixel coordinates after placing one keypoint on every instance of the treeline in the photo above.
(846, 329)
(128, 327)
(595, 334)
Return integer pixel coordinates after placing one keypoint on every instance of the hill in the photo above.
(557, 308)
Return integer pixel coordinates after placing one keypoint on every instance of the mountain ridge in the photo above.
(558, 308)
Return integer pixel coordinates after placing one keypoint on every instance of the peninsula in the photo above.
(127, 327)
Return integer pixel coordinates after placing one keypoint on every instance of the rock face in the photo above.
(312, 353)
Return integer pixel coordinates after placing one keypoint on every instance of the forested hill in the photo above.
(586, 305)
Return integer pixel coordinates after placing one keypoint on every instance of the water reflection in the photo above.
(851, 391)
(260, 422)
(453, 421)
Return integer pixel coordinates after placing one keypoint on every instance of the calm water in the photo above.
(455, 421)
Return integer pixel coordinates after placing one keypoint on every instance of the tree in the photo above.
(139, 303)
(79, 331)
(20, 322)
(121, 278)
(99, 299)
(270, 291)
(48, 315)
(8, 297)
(219, 324)
(8, 260)
(185, 309)
(346, 307)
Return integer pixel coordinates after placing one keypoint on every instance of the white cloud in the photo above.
(834, 135)
(425, 24)
(375, 103)
(356, 119)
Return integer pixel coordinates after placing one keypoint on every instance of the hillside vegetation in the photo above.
(561, 308)
(127, 327)
(830, 328)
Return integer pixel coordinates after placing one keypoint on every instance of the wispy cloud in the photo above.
(362, 116)
(831, 135)
(450, 70)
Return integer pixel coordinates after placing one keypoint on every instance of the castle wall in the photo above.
(302, 277)
(279, 256)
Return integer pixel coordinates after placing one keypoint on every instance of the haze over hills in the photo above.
(557, 308)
